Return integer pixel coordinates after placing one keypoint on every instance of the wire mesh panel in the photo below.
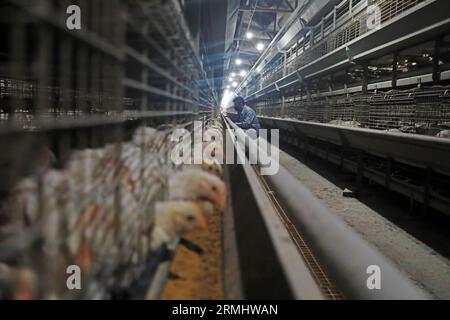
(354, 28)
(86, 117)
(445, 109)
(391, 111)
(47, 62)
(348, 27)
(423, 111)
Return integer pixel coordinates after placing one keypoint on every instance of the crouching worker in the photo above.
(246, 119)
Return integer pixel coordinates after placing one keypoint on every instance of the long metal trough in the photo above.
(417, 150)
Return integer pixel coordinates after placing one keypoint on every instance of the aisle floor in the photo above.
(423, 264)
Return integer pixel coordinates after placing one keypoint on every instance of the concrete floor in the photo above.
(424, 265)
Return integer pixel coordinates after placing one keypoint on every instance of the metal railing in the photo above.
(305, 52)
(356, 27)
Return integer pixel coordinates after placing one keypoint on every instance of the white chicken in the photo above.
(444, 134)
(213, 168)
(101, 208)
(213, 150)
(197, 185)
(174, 219)
(144, 136)
(349, 124)
(393, 130)
(149, 139)
(213, 158)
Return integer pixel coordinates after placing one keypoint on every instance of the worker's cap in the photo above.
(239, 100)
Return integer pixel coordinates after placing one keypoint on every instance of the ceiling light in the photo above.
(260, 46)
(230, 79)
(238, 62)
(235, 84)
(233, 74)
(249, 35)
(226, 99)
(243, 73)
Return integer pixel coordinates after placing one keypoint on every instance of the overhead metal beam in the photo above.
(289, 5)
(267, 10)
(255, 38)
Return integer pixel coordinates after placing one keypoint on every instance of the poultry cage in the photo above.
(423, 111)
(86, 123)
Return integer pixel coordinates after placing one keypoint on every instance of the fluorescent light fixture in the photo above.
(249, 35)
(260, 46)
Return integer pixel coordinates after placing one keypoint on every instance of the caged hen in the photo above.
(444, 134)
(100, 212)
(174, 219)
(197, 185)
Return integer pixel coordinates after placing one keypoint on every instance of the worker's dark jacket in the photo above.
(247, 119)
